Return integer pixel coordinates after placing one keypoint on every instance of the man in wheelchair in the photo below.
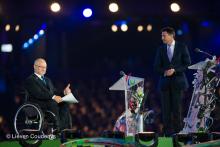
(42, 92)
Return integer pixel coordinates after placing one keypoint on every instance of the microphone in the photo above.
(197, 50)
(201, 51)
(122, 73)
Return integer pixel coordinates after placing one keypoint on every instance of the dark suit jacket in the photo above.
(42, 94)
(180, 62)
(37, 90)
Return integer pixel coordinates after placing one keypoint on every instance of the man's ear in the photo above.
(173, 35)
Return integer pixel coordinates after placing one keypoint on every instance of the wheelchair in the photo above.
(30, 116)
(31, 120)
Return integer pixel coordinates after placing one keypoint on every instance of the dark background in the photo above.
(87, 54)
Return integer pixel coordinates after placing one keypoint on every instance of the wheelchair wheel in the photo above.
(32, 140)
(49, 126)
(29, 116)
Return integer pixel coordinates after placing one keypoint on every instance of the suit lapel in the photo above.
(174, 52)
(40, 82)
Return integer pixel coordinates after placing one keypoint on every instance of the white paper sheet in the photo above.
(69, 98)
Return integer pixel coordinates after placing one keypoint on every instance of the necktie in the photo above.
(169, 52)
(43, 79)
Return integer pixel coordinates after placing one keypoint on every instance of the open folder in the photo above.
(69, 98)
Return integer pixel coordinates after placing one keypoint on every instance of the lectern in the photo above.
(133, 88)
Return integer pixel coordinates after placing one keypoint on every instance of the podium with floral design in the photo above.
(131, 122)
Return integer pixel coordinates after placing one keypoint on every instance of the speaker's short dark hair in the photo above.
(169, 30)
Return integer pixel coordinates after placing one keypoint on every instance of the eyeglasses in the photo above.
(44, 67)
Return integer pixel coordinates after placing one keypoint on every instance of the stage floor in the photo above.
(163, 142)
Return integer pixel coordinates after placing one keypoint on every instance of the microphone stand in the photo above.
(206, 53)
(201, 51)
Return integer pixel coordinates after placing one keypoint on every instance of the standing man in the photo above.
(42, 92)
(172, 59)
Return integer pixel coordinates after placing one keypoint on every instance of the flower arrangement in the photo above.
(136, 99)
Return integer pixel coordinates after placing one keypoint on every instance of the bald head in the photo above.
(40, 66)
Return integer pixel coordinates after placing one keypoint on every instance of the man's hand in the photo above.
(169, 72)
(58, 99)
(67, 90)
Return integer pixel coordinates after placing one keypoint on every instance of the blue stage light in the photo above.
(25, 45)
(30, 41)
(179, 32)
(87, 12)
(41, 32)
(36, 36)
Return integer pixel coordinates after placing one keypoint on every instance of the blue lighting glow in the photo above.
(30, 41)
(36, 37)
(185, 28)
(43, 27)
(123, 22)
(87, 12)
(206, 23)
(2, 85)
(120, 22)
(179, 32)
(25, 45)
(41, 32)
